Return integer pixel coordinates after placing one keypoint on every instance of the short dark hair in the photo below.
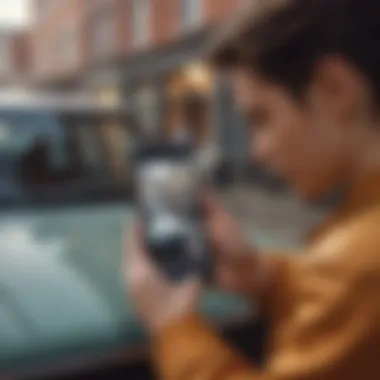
(283, 39)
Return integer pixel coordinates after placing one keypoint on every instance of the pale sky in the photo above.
(14, 12)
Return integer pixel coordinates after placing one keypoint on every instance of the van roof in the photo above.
(55, 102)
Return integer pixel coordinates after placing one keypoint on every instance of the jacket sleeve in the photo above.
(323, 309)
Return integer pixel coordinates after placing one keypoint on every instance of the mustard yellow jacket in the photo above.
(323, 309)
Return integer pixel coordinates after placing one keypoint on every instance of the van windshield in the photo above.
(51, 158)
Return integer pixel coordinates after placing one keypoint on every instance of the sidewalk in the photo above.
(272, 218)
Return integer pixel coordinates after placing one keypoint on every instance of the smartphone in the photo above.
(168, 184)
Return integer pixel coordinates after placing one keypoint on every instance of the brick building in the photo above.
(74, 40)
(138, 52)
(58, 42)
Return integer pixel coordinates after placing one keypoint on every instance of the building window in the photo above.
(191, 13)
(141, 22)
(44, 7)
(67, 45)
(40, 58)
(5, 56)
(103, 36)
(147, 107)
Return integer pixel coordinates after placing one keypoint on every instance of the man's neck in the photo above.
(367, 160)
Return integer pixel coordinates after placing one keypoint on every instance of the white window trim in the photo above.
(5, 56)
(101, 27)
(50, 7)
(195, 20)
(141, 24)
(71, 53)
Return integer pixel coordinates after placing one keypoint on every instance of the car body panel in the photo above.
(61, 285)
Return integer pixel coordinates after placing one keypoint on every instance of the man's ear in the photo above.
(339, 89)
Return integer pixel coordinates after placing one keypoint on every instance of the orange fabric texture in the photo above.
(323, 308)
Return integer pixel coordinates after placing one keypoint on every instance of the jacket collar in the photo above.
(359, 196)
(363, 193)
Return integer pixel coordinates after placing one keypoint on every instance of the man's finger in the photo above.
(136, 257)
(212, 206)
(134, 250)
(227, 280)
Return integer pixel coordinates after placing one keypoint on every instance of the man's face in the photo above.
(300, 141)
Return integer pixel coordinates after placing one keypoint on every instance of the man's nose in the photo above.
(261, 150)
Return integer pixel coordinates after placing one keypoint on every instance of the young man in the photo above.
(307, 76)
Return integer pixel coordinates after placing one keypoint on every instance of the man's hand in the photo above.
(157, 301)
(238, 267)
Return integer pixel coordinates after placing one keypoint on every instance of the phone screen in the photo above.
(167, 185)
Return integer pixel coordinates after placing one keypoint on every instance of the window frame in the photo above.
(193, 19)
(5, 55)
(68, 36)
(103, 31)
(141, 14)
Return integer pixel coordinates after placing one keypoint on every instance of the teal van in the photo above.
(65, 205)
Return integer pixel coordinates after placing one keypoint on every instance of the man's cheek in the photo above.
(289, 160)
